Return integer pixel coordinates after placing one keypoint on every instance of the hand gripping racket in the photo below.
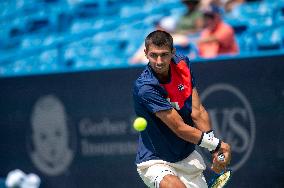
(220, 180)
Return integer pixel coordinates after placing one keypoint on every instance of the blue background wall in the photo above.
(103, 99)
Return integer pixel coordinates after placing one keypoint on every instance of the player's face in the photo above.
(211, 22)
(159, 58)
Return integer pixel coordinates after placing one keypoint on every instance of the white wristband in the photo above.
(208, 141)
(210, 133)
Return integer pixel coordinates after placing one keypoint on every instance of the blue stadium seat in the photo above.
(2, 183)
(51, 1)
(78, 26)
(279, 13)
(86, 10)
(38, 25)
(269, 40)
(251, 15)
(246, 42)
(256, 23)
(86, 29)
(48, 60)
(64, 21)
(281, 31)
(31, 42)
(253, 9)
(238, 25)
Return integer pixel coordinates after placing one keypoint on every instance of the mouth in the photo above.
(159, 68)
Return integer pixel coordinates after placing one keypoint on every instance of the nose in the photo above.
(159, 60)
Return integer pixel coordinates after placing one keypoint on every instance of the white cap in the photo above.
(31, 181)
(15, 178)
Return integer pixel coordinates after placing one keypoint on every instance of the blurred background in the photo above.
(46, 36)
(66, 74)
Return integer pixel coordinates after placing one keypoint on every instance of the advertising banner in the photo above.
(75, 129)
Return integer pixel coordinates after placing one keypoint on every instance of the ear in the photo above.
(145, 51)
(174, 51)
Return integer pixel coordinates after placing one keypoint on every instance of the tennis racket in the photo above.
(220, 180)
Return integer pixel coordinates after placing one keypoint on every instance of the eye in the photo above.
(153, 55)
(165, 54)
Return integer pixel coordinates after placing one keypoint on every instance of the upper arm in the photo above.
(152, 99)
(225, 36)
(171, 118)
(197, 107)
(199, 115)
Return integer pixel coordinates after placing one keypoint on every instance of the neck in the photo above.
(164, 77)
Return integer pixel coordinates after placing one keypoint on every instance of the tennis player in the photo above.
(165, 95)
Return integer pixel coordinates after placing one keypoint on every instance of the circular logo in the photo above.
(232, 120)
(49, 146)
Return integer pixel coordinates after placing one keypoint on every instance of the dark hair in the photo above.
(191, 2)
(159, 38)
(212, 11)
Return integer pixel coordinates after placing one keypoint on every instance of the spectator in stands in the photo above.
(229, 5)
(205, 4)
(192, 21)
(217, 38)
(225, 5)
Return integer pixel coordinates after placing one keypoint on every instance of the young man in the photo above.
(165, 95)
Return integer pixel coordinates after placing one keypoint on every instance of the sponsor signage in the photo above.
(74, 130)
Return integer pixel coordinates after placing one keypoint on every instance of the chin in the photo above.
(159, 70)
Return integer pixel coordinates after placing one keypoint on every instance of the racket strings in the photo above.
(222, 180)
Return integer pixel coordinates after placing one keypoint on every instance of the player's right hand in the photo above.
(217, 165)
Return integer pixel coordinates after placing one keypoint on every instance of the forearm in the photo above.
(202, 121)
(174, 121)
(198, 137)
(189, 134)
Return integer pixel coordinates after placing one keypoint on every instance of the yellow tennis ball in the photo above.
(140, 124)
